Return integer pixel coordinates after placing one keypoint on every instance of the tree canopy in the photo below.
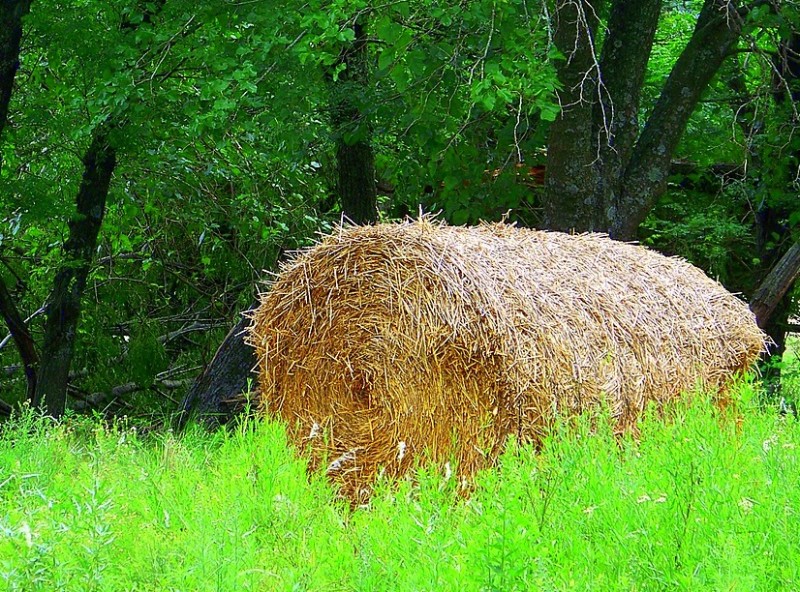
(156, 157)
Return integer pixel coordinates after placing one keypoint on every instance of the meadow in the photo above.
(702, 500)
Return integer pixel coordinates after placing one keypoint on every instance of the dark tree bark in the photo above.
(771, 304)
(590, 144)
(631, 32)
(355, 160)
(571, 179)
(603, 175)
(22, 337)
(781, 278)
(215, 397)
(717, 31)
(11, 14)
(356, 181)
(64, 305)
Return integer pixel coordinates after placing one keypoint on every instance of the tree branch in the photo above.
(22, 338)
(718, 29)
(623, 63)
(64, 305)
(197, 326)
(775, 286)
(100, 399)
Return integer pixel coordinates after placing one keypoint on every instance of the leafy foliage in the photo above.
(226, 156)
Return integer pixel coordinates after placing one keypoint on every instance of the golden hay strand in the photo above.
(385, 342)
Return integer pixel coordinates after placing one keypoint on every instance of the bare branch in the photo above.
(18, 330)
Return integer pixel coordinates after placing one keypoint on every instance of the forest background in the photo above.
(157, 157)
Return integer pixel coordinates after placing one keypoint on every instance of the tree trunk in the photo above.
(603, 175)
(717, 31)
(781, 278)
(629, 41)
(64, 305)
(355, 160)
(11, 13)
(356, 181)
(571, 179)
(22, 337)
(215, 397)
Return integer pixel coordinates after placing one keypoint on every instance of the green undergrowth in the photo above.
(702, 501)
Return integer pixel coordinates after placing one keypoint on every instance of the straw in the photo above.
(385, 343)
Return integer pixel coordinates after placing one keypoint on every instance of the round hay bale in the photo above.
(385, 342)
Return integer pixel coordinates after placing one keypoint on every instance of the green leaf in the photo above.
(549, 111)
(459, 217)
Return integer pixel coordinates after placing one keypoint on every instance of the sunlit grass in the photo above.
(701, 501)
(790, 370)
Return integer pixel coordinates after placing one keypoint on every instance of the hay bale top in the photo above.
(420, 329)
(586, 288)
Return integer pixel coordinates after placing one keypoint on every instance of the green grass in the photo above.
(698, 504)
(790, 370)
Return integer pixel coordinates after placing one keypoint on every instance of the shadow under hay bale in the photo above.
(386, 342)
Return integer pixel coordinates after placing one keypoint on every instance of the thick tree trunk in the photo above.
(603, 175)
(215, 397)
(356, 186)
(629, 41)
(22, 337)
(64, 305)
(571, 179)
(590, 143)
